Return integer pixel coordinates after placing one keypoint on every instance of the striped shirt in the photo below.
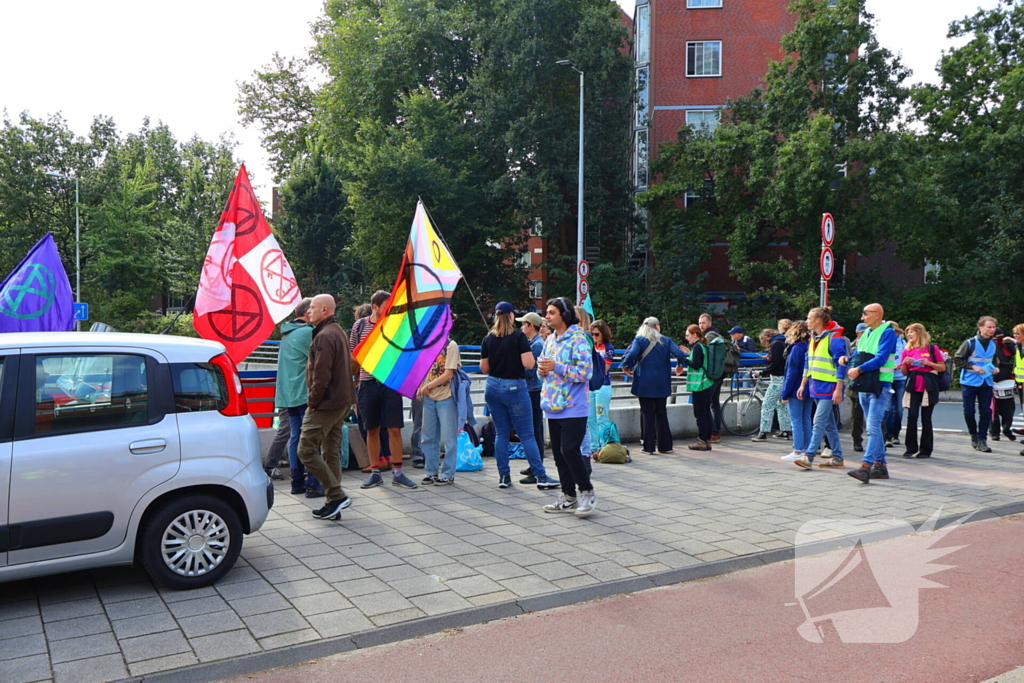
(360, 331)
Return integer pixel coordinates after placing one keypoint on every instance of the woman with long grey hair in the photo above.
(649, 361)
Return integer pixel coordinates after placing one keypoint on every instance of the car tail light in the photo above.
(236, 399)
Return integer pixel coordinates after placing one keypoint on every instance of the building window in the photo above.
(524, 259)
(706, 192)
(640, 159)
(536, 289)
(643, 34)
(703, 119)
(697, 4)
(704, 58)
(642, 96)
(536, 227)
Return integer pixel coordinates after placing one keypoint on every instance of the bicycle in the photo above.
(741, 412)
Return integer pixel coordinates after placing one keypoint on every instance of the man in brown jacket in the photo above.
(331, 396)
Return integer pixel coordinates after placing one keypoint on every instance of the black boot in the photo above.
(879, 471)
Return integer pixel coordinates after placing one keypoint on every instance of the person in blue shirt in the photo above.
(878, 341)
(974, 361)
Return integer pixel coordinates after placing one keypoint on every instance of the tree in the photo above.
(825, 134)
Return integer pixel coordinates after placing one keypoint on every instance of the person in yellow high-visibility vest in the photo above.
(1018, 365)
(823, 384)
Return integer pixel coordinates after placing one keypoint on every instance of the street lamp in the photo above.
(78, 250)
(579, 192)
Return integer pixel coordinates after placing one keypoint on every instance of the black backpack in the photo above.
(597, 379)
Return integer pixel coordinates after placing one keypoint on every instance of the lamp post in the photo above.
(78, 250)
(579, 192)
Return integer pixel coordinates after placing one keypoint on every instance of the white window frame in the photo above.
(643, 34)
(536, 289)
(641, 162)
(536, 227)
(703, 4)
(702, 43)
(717, 113)
(643, 96)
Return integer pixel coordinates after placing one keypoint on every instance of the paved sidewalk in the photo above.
(400, 556)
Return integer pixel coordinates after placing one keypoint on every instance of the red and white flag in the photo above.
(246, 286)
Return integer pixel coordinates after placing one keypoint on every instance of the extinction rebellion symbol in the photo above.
(30, 296)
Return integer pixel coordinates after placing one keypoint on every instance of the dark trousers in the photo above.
(716, 406)
(655, 432)
(927, 438)
(538, 421)
(566, 441)
(858, 419)
(280, 442)
(1002, 415)
(983, 396)
(702, 402)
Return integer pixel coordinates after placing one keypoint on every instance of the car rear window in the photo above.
(198, 387)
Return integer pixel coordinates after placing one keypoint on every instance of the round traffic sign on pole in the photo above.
(584, 269)
(828, 229)
(827, 263)
(584, 288)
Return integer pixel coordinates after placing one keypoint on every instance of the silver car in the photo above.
(125, 448)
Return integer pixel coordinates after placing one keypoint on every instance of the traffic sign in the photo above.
(827, 263)
(584, 288)
(828, 229)
(584, 269)
(81, 311)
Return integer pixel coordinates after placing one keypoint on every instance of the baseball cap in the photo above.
(504, 308)
(861, 327)
(736, 330)
(532, 318)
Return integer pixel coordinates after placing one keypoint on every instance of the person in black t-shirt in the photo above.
(505, 355)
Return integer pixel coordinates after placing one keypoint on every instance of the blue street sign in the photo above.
(81, 311)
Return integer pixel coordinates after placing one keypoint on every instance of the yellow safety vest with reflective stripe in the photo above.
(869, 344)
(820, 365)
(1018, 366)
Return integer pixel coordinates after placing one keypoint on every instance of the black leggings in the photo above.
(1002, 415)
(702, 402)
(566, 440)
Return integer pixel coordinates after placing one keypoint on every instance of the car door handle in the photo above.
(147, 447)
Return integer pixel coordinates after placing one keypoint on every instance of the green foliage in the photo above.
(148, 205)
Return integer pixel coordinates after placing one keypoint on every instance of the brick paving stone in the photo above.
(131, 591)
(223, 645)
(259, 604)
(145, 625)
(377, 560)
(205, 624)
(274, 623)
(715, 555)
(607, 571)
(22, 646)
(66, 593)
(340, 623)
(397, 617)
(151, 666)
(318, 604)
(440, 603)
(83, 647)
(135, 608)
(18, 610)
(56, 611)
(346, 573)
(357, 587)
(153, 646)
(471, 586)
(277, 561)
(170, 596)
(524, 586)
(191, 608)
(95, 670)
(25, 669)
(295, 589)
(246, 589)
(491, 598)
(373, 604)
(74, 628)
(285, 639)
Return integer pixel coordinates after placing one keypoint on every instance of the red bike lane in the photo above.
(736, 627)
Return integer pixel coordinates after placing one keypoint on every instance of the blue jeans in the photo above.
(824, 425)
(983, 395)
(440, 425)
(874, 408)
(800, 417)
(300, 477)
(894, 415)
(509, 405)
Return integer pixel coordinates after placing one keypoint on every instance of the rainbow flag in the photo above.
(415, 322)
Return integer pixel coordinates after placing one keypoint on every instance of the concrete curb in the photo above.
(297, 654)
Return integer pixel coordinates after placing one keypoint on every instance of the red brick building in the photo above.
(691, 57)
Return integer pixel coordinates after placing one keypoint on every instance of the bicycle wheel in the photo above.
(741, 413)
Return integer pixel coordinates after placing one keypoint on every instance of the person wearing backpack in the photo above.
(876, 353)
(974, 361)
(922, 363)
(732, 366)
(699, 383)
(648, 360)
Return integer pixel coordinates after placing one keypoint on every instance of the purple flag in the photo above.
(36, 296)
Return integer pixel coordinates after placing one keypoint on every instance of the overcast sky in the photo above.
(179, 62)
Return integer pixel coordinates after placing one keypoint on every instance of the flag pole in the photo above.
(464, 278)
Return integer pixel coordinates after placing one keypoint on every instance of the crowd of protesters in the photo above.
(556, 368)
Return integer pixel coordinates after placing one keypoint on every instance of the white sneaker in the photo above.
(792, 457)
(561, 504)
(826, 452)
(587, 503)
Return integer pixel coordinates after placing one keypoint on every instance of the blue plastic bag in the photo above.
(516, 450)
(469, 458)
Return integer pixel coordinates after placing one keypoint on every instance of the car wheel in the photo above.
(191, 542)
